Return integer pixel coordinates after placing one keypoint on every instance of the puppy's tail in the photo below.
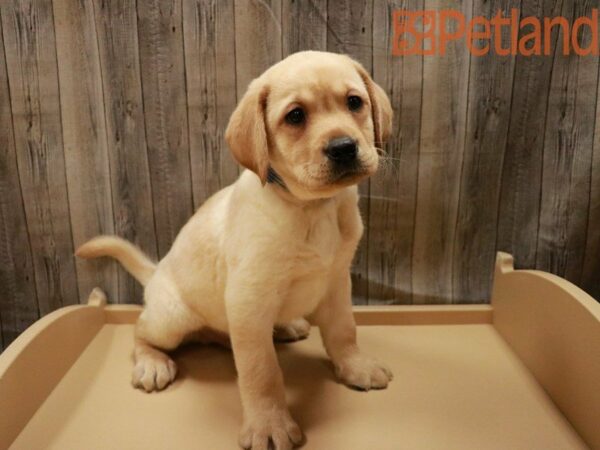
(130, 256)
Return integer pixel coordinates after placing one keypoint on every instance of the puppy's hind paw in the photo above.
(295, 330)
(153, 372)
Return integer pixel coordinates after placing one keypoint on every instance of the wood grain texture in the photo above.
(488, 114)
(568, 142)
(443, 127)
(299, 16)
(165, 112)
(522, 170)
(211, 93)
(350, 31)
(257, 39)
(394, 187)
(28, 28)
(131, 190)
(18, 297)
(84, 138)
(590, 280)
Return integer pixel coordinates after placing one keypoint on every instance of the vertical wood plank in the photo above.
(32, 69)
(211, 92)
(304, 25)
(350, 31)
(522, 171)
(84, 138)
(488, 115)
(568, 142)
(394, 187)
(443, 126)
(257, 39)
(591, 268)
(18, 299)
(165, 112)
(126, 137)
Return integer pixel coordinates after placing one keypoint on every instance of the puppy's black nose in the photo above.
(342, 150)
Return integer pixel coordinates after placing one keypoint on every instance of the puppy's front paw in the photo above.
(362, 372)
(276, 426)
(153, 372)
(294, 331)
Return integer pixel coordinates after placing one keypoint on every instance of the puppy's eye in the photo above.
(295, 116)
(354, 103)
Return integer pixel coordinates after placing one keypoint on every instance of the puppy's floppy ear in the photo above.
(381, 109)
(246, 132)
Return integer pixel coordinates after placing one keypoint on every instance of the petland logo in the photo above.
(429, 33)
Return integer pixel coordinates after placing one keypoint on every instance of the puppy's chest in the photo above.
(315, 256)
(318, 244)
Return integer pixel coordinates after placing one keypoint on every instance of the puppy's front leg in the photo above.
(338, 331)
(251, 316)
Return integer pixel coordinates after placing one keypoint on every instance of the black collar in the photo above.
(274, 178)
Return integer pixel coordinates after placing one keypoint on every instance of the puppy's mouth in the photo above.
(327, 175)
(349, 175)
(352, 168)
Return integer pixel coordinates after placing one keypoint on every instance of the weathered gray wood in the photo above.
(132, 129)
(350, 31)
(304, 25)
(165, 112)
(443, 126)
(394, 187)
(116, 26)
(18, 297)
(568, 142)
(257, 39)
(84, 138)
(33, 74)
(211, 92)
(591, 268)
(522, 170)
(488, 115)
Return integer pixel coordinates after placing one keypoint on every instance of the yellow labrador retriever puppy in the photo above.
(274, 247)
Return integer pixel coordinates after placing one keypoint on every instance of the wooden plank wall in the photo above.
(112, 115)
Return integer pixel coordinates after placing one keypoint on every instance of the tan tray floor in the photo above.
(455, 387)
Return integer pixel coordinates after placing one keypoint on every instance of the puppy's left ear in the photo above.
(381, 109)
(246, 132)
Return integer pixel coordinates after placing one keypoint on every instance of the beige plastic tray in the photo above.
(523, 373)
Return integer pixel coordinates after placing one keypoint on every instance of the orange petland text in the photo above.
(429, 33)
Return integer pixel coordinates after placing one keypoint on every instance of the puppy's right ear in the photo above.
(246, 132)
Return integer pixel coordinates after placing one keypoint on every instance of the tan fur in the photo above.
(131, 257)
(246, 133)
(256, 257)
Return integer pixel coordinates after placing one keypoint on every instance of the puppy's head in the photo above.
(316, 119)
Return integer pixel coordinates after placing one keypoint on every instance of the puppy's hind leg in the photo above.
(162, 326)
(292, 331)
(153, 370)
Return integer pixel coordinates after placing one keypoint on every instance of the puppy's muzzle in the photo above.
(342, 151)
